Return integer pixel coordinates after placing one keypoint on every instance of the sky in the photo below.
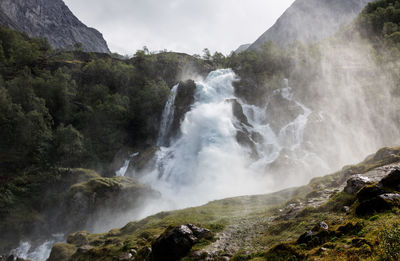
(186, 26)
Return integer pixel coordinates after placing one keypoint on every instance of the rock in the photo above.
(125, 257)
(11, 258)
(133, 252)
(281, 112)
(378, 204)
(61, 252)
(176, 243)
(391, 180)
(355, 183)
(78, 239)
(237, 111)
(53, 20)
(346, 209)
(144, 253)
(183, 101)
(89, 199)
(323, 225)
(317, 236)
(369, 192)
(84, 249)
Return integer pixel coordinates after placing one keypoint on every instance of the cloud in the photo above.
(179, 25)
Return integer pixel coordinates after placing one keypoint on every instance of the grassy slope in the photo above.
(255, 227)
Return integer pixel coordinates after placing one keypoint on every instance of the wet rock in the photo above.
(355, 183)
(237, 111)
(176, 243)
(61, 252)
(183, 102)
(281, 112)
(243, 139)
(392, 180)
(78, 239)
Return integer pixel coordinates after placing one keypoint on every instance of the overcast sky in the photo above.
(179, 25)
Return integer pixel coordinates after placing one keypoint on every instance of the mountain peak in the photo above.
(53, 20)
(309, 21)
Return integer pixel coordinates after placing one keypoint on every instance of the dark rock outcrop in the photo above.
(309, 21)
(355, 183)
(244, 135)
(51, 19)
(176, 243)
(392, 180)
(183, 101)
(317, 236)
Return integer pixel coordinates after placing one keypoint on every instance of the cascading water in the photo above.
(167, 118)
(207, 162)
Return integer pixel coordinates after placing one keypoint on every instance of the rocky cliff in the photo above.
(309, 21)
(53, 20)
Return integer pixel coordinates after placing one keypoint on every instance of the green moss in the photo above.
(62, 252)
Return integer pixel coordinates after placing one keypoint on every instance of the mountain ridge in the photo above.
(52, 20)
(309, 21)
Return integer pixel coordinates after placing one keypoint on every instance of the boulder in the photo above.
(391, 180)
(176, 243)
(78, 239)
(355, 183)
(317, 236)
(369, 192)
(378, 204)
(91, 199)
(61, 252)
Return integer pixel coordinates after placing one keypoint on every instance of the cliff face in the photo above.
(53, 20)
(309, 21)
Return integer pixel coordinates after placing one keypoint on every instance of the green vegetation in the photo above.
(271, 227)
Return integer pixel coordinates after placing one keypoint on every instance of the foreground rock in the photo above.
(176, 243)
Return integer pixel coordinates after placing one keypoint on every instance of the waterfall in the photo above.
(167, 118)
(206, 162)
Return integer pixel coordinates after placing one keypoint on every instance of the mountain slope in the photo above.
(308, 21)
(53, 20)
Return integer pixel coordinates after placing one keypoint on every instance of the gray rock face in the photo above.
(355, 183)
(53, 20)
(309, 21)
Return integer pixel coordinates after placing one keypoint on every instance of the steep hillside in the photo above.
(52, 20)
(308, 21)
(349, 215)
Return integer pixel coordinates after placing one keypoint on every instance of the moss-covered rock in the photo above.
(86, 200)
(62, 252)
